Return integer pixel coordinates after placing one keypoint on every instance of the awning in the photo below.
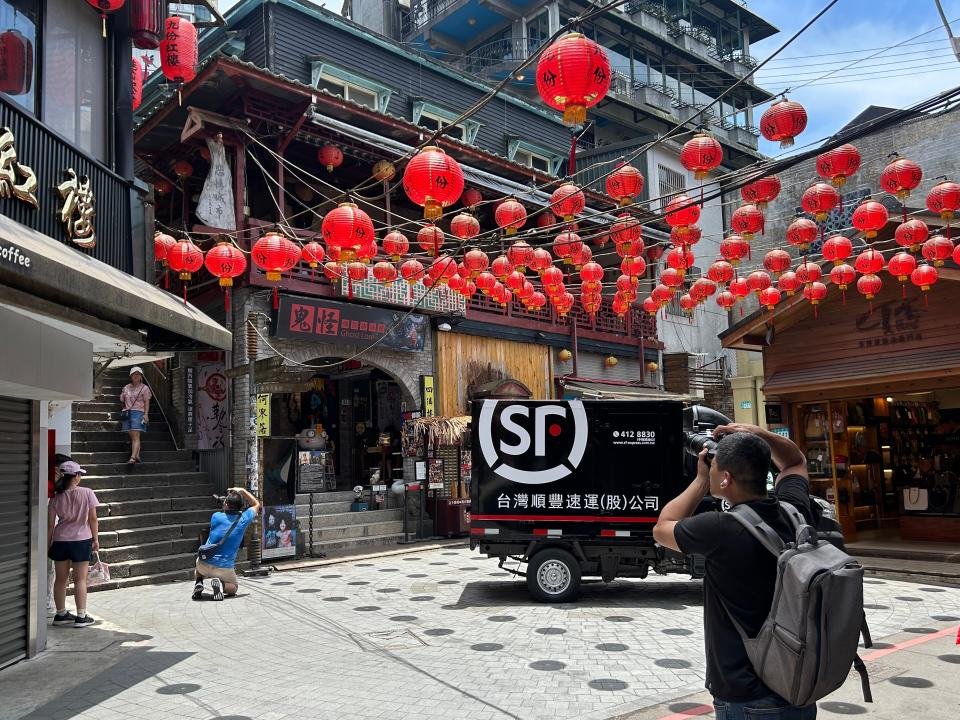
(607, 391)
(49, 278)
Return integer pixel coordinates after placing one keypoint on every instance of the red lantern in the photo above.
(671, 277)
(924, 276)
(540, 260)
(911, 234)
(384, 273)
(456, 283)
(703, 288)
(944, 199)
(225, 261)
(332, 271)
(136, 79)
(720, 272)
(654, 252)
(761, 191)
(789, 283)
(486, 282)
(430, 239)
(746, 221)
(701, 154)
(783, 121)
(313, 254)
(802, 232)
(591, 272)
(626, 286)
(564, 304)
(330, 156)
(501, 267)
(901, 266)
(552, 277)
(808, 272)
(758, 281)
(734, 248)
(581, 255)
(819, 199)
(395, 244)
(464, 226)
(105, 7)
(510, 216)
(520, 254)
(568, 201)
(565, 244)
(163, 186)
(680, 259)
(434, 180)
(185, 258)
(769, 297)
(956, 255)
(739, 287)
(470, 198)
(838, 164)
(837, 249)
(146, 23)
(869, 262)
(869, 286)
(634, 267)
(687, 304)
(691, 236)
(937, 250)
(537, 300)
(275, 254)
(546, 219)
(16, 63)
(681, 212)
(777, 261)
(627, 233)
(842, 276)
(725, 299)
(182, 169)
(624, 184)
(573, 74)
(346, 229)
(869, 217)
(900, 177)
(476, 261)
(660, 295)
(178, 50)
(162, 243)
(815, 292)
(357, 272)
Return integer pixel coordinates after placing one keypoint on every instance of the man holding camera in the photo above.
(226, 533)
(740, 572)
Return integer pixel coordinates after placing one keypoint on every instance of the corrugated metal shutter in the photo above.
(14, 527)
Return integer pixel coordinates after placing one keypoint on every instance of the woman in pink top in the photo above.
(71, 538)
(135, 405)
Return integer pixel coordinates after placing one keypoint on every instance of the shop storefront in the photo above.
(872, 395)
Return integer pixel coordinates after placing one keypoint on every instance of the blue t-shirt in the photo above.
(219, 524)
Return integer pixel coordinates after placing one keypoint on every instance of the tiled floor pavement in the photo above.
(430, 635)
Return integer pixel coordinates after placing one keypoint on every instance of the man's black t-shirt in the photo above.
(741, 571)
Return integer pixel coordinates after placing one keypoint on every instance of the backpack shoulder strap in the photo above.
(754, 524)
(796, 519)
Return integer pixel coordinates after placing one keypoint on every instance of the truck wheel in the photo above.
(553, 575)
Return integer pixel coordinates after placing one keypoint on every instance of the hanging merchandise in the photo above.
(901, 176)
(330, 156)
(146, 23)
(345, 230)
(16, 63)
(789, 283)
(136, 80)
(701, 154)
(225, 261)
(520, 254)
(869, 218)
(783, 121)
(624, 184)
(573, 74)
(105, 7)
(761, 191)
(395, 245)
(746, 221)
(819, 199)
(911, 234)
(430, 238)
(777, 261)
(838, 164)
(185, 258)
(510, 216)
(837, 249)
(567, 201)
(937, 250)
(434, 180)
(178, 50)
(215, 207)
(733, 248)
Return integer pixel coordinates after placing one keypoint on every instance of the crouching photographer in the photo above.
(740, 572)
(216, 558)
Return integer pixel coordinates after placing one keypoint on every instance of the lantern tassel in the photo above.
(816, 313)
(276, 298)
(843, 297)
(903, 288)
(166, 279)
(349, 287)
(103, 22)
(572, 163)
(925, 304)
(184, 293)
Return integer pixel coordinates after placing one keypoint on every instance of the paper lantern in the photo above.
(650, 306)
(869, 285)
(146, 23)
(701, 154)
(689, 236)
(681, 212)
(313, 254)
(815, 292)
(332, 271)
(162, 243)
(330, 156)
(567, 201)
(944, 199)
(430, 239)
(565, 244)
(633, 268)
(182, 169)
(178, 50)
(346, 229)
(687, 304)
(225, 261)
(808, 272)
(837, 249)
(901, 266)
(789, 283)
(734, 248)
(396, 245)
(501, 267)
(434, 180)
(540, 260)
(384, 170)
(464, 226)
(16, 63)
(470, 198)
(924, 276)
(384, 273)
(720, 272)
(758, 281)
(843, 276)
(671, 277)
(573, 74)
(163, 186)
(627, 233)
(869, 217)
(911, 234)
(476, 261)
(546, 219)
(838, 164)
(901, 176)
(819, 199)
(726, 300)
(510, 216)
(869, 262)
(769, 297)
(412, 271)
(520, 254)
(761, 191)
(739, 287)
(783, 121)
(801, 232)
(747, 220)
(105, 7)
(275, 254)
(777, 261)
(552, 277)
(624, 184)
(680, 259)
(937, 250)
(185, 258)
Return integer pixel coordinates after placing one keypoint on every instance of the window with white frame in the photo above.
(433, 117)
(532, 160)
(533, 156)
(673, 307)
(671, 182)
(350, 86)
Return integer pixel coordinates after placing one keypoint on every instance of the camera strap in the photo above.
(216, 547)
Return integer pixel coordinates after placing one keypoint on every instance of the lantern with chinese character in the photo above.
(627, 233)
(385, 273)
(434, 180)
(937, 250)
(346, 229)
(680, 259)
(944, 199)
(313, 254)
(869, 285)
(573, 74)
(540, 260)
(819, 199)
(923, 277)
(911, 234)
(510, 216)
(703, 288)
(396, 245)
(411, 271)
(681, 212)
(624, 184)
(801, 232)
(564, 245)
(869, 217)
(843, 276)
(720, 272)
(430, 238)
(747, 220)
(520, 254)
(357, 272)
(275, 254)
(783, 121)
(185, 258)
(470, 198)
(761, 191)
(16, 63)
(591, 272)
(178, 50)
(739, 287)
(901, 176)
(733, 249)
(567, 201)
(726, 300)
(501, 267)
(815, 293)
(136, 79)
(788, 282)
(838, 164)
(633, 268)
(769, 297)
(687, 304)
(627, 285)
(777, 261)
(869, 262)
(808, 272)
(225, 261)
(671, 277)
(837, 249)
(758, 281)
(476, 261)
(105, 7)
(383, 170)
(691, 236)
(901, 266)
(146, 23)
(330, 156)
(161, 246)
(701, 154)
(464, 226)
(332, 271)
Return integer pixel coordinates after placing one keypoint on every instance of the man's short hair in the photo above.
(234, 501)
(747, 458)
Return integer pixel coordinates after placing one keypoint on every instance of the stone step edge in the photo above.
(414, 547)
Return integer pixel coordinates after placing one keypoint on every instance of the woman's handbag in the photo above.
(125, 413)
(208, 550)
(98, 572)
(915, 498)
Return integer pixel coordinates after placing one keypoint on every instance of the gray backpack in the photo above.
(809, 640)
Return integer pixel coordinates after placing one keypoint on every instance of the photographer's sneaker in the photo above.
(217, 589)
(197, 591)
(83, 621)
(65, 618)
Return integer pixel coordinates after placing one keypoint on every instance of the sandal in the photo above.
(131, 461)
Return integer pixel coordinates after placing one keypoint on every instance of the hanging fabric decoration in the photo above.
(433, 180)
(215, 207)
(573, 74)
(178, 51)
(105, 7)
(146, 23)
(225, 261)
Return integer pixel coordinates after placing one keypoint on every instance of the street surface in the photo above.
(441, 634)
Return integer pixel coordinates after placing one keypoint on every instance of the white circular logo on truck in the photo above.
(532, 444)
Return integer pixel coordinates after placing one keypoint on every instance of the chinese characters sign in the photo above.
(577, 501)
(16, 180)
(189, 398)
(263, 415)
(894, 322)
(428, 393)
(213, 415)
(334, 322)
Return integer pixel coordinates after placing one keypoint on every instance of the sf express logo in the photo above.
(532, 444)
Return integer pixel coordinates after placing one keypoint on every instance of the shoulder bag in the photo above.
(125, 413)
(208, 550)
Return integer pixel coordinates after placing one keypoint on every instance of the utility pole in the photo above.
(954, 42)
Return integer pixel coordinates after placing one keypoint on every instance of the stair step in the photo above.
(379, 529)
(324, 508)
(115, 433)
(112, 495)
(153, 565)
(329, 546)
(326, 496)
(166, 517)
(158, 533)
(85, 429)
(91, 459)
(120, 445)
(356, 518)
(125, 553)
(181, 575)
(155, 505)
(130, 478)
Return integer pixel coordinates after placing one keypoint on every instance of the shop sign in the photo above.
(189, 400)
(439, 298)
(263, 415)
(895, 322)
(325, 321)
(746, 404)
(212, 407)
(11, 255)
(279, 531)
(428, 396)
(782, 432)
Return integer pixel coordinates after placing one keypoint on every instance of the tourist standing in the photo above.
(135, 410)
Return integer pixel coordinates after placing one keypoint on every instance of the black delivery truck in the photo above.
(573, 488)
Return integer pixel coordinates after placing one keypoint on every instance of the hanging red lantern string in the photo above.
(746, 221)
(869, 262)
(769, 297)
(690, 237)
(225, 261)
(346, 230)
(540, 260)
(680, 259)
(105, 7)
(761, 191)
(680, 213)
(185, 258)
(733, 248)
(501, 267)
(573, 74)
(430, 238)
(470, 198)
(777, 261)
(815, 293)
(580, 256)
(671, 277)
(162, 244)
(627, 235)
(789, 283)
(843, 276)
(313, 254)
(869, 218)
(838, 164)
(332, 271)
(740, 290)
(510, 216)
(944, 199)
(567, 201)
(801, 233)
(412, 272)
(837, 249)
(396, 245)
(520, 254)
(546, 219)
(687, 305)
(937, 250)
(178, 51)
(868, 286)
(758, 281)
(275, 254)
(924, 277)
(330, 156)
(701, 154)
(564, 245)
(433, 180)
(385, 273)
(552, 279)
(146, 23)
(808, 272)
(783, 121)
(624, 184)
(901, 266)
(182, 169)
(725, 299)
(911, 234)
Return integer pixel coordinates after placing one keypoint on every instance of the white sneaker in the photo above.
(217, 589)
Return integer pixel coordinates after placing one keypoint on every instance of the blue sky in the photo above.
(857, 28)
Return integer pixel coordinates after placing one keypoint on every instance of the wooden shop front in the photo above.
(872, 396)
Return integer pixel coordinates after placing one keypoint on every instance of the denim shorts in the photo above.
(771, 707)
(134, 422)
(73, 550)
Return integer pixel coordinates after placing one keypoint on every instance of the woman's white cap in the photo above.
(71, 467)
(136, 369)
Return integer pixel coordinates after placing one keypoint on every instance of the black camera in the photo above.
(698, 425)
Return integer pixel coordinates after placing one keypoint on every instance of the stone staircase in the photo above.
(336, 529)
(152, 512)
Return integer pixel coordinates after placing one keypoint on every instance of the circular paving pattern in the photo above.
(331, 577)
(618, 618)
(673, 663)
(610, 684)
(612, 647)
(404, 618)
(547, 665)
(282, 582)
(842, 708)
(178, 688)
(389, 570)
(422, 598)
(911, 682)
(486, 647)
(550, 631)
(367, 608)
(677, 631)
(438, 632)
(335, 598)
